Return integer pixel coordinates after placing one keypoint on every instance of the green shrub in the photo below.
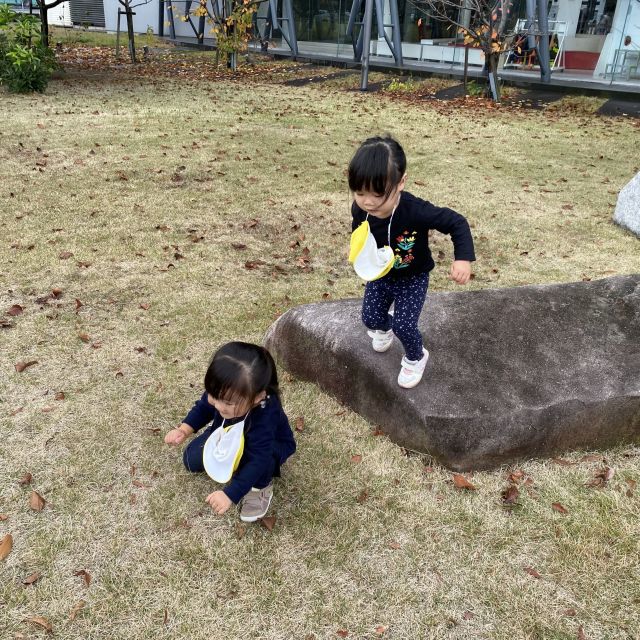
(25, 65)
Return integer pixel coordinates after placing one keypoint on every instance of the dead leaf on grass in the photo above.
(39, 621)
(268, 522)
(581, 634)
(515, 476)
(77, 607)
(532, 572)
(632, 487)
(6, 544)
(343, 633)
(362, 497)
(36, 501)
(241, 530)
(510, 495)
(26, 479)
(85, 575)
(59, 395)
(556, 506)
(394, 545)
(32, 579)
(563, 463)
(356, 458)
(467, 615)
(460, 482)
(381, 628)
(22, 365)
(238, 245)
(3, 517)
(299, 424)
(145, 306)
(15, 310)
(85, 337)
(65, 255)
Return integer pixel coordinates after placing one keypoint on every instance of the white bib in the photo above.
(223, 451)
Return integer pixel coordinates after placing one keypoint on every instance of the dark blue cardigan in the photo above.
(267, 435)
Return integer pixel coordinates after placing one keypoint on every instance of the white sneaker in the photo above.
(411, 372)
(381, 340)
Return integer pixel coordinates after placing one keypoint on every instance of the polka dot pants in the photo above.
(408, 296)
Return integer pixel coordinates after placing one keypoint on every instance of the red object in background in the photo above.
(585, 60)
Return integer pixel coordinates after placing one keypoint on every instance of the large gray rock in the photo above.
(513, 373)
(627, 213)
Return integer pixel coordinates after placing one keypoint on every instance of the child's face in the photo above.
(234, 408)
(375, 204)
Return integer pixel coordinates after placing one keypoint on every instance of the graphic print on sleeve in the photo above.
(404, 249)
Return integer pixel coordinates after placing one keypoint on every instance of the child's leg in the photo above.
(375, 306)
(192, 456)
(410, 295)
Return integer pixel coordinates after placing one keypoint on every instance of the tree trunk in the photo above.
(492, 68)
(132, 42)
(44, 23)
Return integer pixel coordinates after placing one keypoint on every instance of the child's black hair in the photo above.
(377, 166)
(239, 371)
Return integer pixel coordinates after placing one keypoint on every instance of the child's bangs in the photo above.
(230, 388)
(370, 172)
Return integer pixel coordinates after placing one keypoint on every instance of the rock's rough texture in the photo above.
(513, 373)
(627, 213)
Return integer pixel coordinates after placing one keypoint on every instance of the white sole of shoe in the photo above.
(254, 518)
(383, 348)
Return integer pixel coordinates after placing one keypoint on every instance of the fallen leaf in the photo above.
(559, 508)
(591, 458)
(563, 463)
(419, 183)
(6, 544)
(570, 613)
(59, 395)
(460, 482)
(394, 545)
(343, 633)
(364, 494)
(78, 304)
(299, 424)
(77, 607)
(268, 522)
(3, 517)
(21, 366)
(510, 495)
(32, 579)
(84, 337)
(241, 530)
(532, 572)
(86, 577)
(515, 476)
(632, 486)
(145, 305)
(26, 479)
(15, 310)
(238, 245)
(467, 615)
(601, 477)
(41, 622)
(165, 619)
(56, 292)
(380, 629)
(356, 458)
(581, 635)
(36, 501)
(65, 255)
(377, 432)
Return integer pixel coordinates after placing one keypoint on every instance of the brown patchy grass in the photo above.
(149, 183)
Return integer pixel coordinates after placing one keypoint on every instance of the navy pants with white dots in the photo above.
(408, 296)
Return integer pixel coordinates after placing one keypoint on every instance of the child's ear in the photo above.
(402, 182)
(259, 398)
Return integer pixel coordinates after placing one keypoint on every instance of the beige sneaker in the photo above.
(256, 504)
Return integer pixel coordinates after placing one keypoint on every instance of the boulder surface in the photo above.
(627, 213)
(513, 373)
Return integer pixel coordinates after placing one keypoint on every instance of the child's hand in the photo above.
(461, 271)
(178, 435)
(219, 502)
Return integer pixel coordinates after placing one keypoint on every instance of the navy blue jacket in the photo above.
(410, 233)
(267, 435)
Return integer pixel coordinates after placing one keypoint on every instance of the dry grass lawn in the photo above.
(144, 204)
